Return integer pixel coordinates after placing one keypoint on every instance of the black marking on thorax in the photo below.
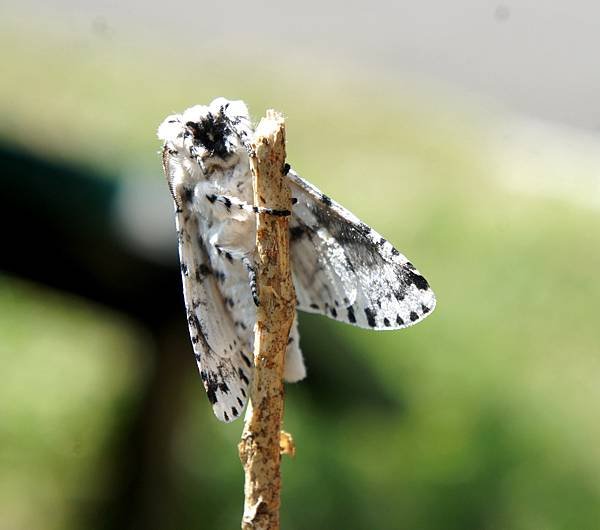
(212, 132)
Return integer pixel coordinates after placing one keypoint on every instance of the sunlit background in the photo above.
(466, 132)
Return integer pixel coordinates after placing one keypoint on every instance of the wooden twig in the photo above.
(259, 449)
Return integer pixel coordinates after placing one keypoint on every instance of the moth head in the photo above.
(218, 132)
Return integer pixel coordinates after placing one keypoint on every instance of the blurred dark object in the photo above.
(59, 231)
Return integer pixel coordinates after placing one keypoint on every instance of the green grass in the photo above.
(484, 416)
(70, 376)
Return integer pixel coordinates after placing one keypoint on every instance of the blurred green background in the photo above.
(482, 417)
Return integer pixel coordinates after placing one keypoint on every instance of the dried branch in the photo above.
(259, 449)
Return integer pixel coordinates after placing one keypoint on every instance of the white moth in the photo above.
(341, 268)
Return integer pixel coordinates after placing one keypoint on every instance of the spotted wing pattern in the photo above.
(341, 267)
(225, 367)
(344, 269)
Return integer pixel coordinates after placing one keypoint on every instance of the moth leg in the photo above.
(231, 255)
(233, 203)
(252, 275)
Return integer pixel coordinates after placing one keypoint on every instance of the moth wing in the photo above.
(319, 269)
(344, 269)
(225, 365)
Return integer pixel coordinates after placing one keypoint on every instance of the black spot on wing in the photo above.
(246, 359)
(193, 321)
(416, 279)
(351, 315)
(202, 272)
(325, 200)
(399, 320)
(371, 314)
(210, 384)
(243, 376)
(198, 335)
(413, 316)
(212, 396)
